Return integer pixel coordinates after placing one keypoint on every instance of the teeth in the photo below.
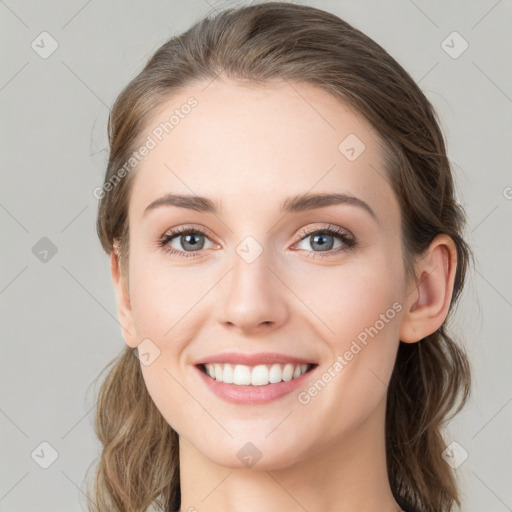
(260, 375)
(218, 372)
(227, 374)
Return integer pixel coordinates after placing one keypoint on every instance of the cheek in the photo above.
(350, 299)
(165, 304)
(360, 311)
(164, 298)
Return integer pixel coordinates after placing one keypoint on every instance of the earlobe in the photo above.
(427, 306)
(124, 311)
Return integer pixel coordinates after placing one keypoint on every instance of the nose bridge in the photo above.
(250, 275)
(252, 296)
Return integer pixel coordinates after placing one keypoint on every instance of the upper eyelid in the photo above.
(326, 227)
(204, 230)
(175, 231)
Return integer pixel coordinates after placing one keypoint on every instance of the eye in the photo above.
(185, 239)
(190, 239)
(324, 240)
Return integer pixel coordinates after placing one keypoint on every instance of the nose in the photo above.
(254, 299)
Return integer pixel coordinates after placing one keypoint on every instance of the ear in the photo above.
(124, 310)
(426, 307)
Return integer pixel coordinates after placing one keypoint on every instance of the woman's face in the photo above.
(255, 281)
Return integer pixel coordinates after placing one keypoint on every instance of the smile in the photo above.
(252, 385)
(259, 375)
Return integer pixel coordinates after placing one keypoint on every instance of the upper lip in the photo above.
(252, 359)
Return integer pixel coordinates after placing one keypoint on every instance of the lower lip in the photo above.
(252, 394)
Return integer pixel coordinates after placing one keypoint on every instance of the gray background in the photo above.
(59, 326)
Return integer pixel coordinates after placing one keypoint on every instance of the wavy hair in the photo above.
(139, 463)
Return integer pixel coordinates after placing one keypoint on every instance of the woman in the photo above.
(291, 351)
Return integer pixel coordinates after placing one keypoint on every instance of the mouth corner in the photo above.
(202, 367)
(311, 367)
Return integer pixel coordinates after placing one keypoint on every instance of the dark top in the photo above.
(175, 504)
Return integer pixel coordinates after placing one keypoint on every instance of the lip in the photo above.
(252, 395)
(253, 359)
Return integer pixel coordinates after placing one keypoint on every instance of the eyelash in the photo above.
(348, 240)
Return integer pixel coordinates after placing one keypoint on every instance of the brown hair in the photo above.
(139, 464)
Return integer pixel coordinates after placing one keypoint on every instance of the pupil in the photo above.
(322, 245)
(193, 245)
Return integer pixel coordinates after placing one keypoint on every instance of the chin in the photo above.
(252, 451)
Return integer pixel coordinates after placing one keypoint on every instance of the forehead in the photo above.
(239, 143)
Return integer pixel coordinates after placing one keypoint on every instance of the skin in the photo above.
(249, 148)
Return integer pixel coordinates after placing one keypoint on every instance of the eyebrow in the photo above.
(299, 203)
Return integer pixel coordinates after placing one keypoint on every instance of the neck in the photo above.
(350, 475)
